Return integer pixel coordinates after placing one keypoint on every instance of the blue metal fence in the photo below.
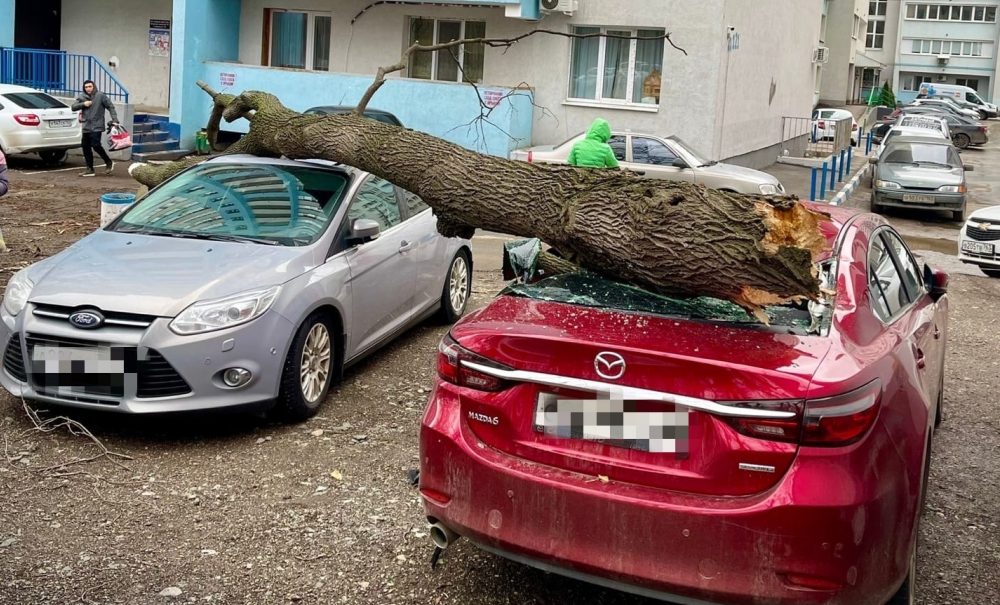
(57, 72)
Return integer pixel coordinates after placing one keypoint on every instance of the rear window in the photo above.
(591, 290)
(914, 153)
(34, 100)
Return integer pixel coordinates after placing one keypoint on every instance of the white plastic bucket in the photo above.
(113, 204)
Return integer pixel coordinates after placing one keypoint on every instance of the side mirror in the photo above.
(364, 229)
(679, 163)
(936, 282)
(967, 168)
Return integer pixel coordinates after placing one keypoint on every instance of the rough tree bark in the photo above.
(670, 237)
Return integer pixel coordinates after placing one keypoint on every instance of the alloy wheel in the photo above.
(314, 369)
(458, 283)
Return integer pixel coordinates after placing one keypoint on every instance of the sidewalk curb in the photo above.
(849, 187)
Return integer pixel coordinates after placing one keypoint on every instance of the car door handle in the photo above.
(405, 246)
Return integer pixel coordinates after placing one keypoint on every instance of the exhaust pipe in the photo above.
(441, 536)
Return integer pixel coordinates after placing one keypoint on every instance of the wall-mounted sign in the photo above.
(159, 24)
(159, 42)
(227, 79)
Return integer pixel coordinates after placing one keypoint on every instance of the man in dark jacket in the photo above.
(92, 104)
(4, 185)
(593, 151)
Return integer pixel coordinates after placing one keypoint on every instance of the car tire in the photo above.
(304, 380)
(457, 288)
(961, 140)
(875, 207)
(991, 272)
(53, 157)
(983, 115)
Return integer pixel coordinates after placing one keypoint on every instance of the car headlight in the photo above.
(209, 315)
(952, 189)
(880, 184)
(768, 189)
(18, 289)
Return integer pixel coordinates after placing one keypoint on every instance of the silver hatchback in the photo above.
(240, 281)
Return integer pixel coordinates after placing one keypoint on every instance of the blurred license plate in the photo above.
(977, 247)
(918, 199)
(629, 424)
(60, 123)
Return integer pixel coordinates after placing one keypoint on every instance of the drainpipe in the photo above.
(719, 136)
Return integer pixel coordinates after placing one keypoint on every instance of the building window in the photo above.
(876, 34)
(958, 48)
(615, 70)
(876, 8)
(297, 39)
(462, 63)
(972, 83)
(950, 12)
(913, 82)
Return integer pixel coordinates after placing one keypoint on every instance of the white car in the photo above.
(908, 131)
(667, 158)
(947, 104)
(824, 123)
(979, 239)
(32, 121)
(925, 121)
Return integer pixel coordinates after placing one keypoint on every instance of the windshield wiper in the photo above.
(215, 237)
(920, 162)
(712, 163)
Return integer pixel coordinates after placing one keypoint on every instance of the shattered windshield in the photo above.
(591, 290)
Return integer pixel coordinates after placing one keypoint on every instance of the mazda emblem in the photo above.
(609, 365)
(87, 320)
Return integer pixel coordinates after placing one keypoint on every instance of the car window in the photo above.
(289, 205)
(826, 114)
(617, 144)
(33, 100)
(884, 283)
(376, 200)
(414, 205)
(907, 266)
(651, 151)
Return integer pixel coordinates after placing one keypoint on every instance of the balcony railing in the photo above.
(57, 72)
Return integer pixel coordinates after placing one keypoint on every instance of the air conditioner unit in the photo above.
(558, 6)
(821, 54)
(943, 59)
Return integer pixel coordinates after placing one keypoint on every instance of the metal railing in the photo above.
(57, 72)
(808, 138)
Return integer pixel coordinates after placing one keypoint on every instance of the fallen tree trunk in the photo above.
(669, 237)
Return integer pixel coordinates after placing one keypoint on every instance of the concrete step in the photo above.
(150, 117)
(162, 156)
(163, 145)
(151, 136)
(138, 127)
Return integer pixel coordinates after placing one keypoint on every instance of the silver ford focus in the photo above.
(240, 281)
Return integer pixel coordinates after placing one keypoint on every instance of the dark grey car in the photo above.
(918, 172)
(964, 131)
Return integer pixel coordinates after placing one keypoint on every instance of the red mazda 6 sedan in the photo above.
(678, 449)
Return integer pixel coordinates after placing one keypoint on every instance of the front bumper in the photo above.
(980, 259)
(818, 522)
(259, 346)
(941, 201)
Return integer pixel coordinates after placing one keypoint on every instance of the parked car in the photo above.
(909, 131)
(375, 114)
(240, 281)
(919, 172)
(704, 457)
(979, 240)
(965, 93)
(947, 104)
(824, 123)
(667, 158)
(32, 121)
(964, 132)
(984, 111)
(925, 121)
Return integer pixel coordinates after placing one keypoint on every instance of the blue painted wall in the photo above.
(203, 30)
(442, 109)
(7, 23)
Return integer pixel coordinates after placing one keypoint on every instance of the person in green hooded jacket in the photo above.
(593, 151)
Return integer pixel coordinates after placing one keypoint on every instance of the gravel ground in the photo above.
(235, 509)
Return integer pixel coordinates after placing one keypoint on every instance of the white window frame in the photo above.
(910, 12)
(977, 49)
(875, 35)
(310, 36)
(600, 100)
(460, 51)
(857, 27)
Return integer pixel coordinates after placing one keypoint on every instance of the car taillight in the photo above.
(982, 129)
(450, 367)
(831, 421)
(27, 119)
(772, 429)
(531, 157)
(841, 419)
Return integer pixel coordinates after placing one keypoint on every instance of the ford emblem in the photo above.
(87, 320)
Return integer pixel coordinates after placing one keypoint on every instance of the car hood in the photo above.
(920, 176)
(990, 214)
(153, 275)
(739, 172)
